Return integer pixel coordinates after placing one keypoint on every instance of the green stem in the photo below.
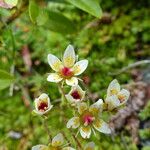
(45, 123)
(61, 89)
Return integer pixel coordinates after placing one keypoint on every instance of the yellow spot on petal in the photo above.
(113, 91)
(98, 123)
(57, 65)
(77, 69)
(69, 61)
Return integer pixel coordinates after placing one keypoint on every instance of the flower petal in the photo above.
(72, 82)
(40, 147)
(89, 146)
(82, 107)
(75, 95)
(58, 140)
(85, 131)
(80, 67)
(73, 123)
(54, 62)
(123, 96)
(69, 56)
(113, 88)
(101, 126)
(97, 107)
(112, 102)
(44, 96)
(54, 77)
(68, 148)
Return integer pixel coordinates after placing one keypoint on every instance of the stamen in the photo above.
(76, 95)
(88, 119)
(66, 72)
(42, 106)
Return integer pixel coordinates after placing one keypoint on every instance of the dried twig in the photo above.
(130, 66)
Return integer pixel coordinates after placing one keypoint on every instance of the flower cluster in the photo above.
(87, 118)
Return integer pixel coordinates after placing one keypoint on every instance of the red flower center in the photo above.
(88, 119)
(76, 95)
(42, 106)
(66, 72)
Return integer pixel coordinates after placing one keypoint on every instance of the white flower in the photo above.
(42, 104)
(75, 95)
(116, 96)
(67, 69)
(90, 146)
(56, 144)
(89, 119)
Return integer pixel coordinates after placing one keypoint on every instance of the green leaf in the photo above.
(59, 23)
(11, 2)
(5, 79)
(90, 6)
(33, 11)
(42, 18)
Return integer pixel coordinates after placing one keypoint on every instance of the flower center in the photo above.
(121, 98)
(76, 95)
(66, 72)
(42, 106)
(88, 119)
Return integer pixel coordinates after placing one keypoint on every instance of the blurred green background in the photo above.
(110, 41)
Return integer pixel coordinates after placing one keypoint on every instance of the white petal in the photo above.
(85, 132)
(80, 67)
(39, 147)
(112, 102)
(113, 88)
(78, 89)
(68, 148)
(69, 56)
(82, 107)
(58, 140)
(101, 126)
(73, 123)
(54, 77)
(69, 98)
(89, 146)
(42, 98)
(54, 62)
(72, 82)
(123, 96)
(97, 107)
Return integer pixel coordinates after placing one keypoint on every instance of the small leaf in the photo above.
(5, 79)
(59, 23)
(33, 11)
(90, 6)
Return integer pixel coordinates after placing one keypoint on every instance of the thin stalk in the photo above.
(61, 89)
(45, 124)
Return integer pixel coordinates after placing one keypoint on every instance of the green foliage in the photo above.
(145, 113)
(120, 38)
(60, 23)
(5, 79)
(90, 6)
(33, 11)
